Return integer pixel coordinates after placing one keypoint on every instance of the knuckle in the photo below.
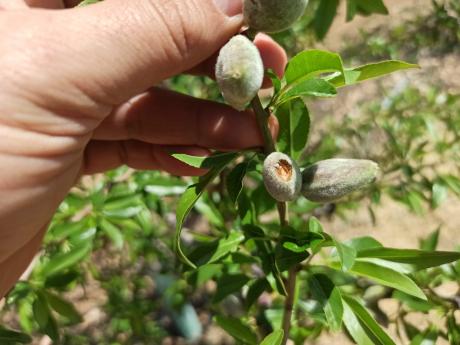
(180, 23)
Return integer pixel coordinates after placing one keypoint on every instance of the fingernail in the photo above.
(230, 8)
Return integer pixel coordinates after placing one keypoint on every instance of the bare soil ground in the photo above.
(396, 226)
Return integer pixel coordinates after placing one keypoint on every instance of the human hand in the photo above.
(77, 96)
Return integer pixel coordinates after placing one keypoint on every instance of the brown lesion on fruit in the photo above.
(284, 170)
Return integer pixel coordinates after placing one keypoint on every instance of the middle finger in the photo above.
(164, 117)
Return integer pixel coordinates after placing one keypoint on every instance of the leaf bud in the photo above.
(272, 15)
(282, 177)
(239, 71)
(331, 179)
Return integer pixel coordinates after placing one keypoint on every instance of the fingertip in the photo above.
(274, 126)
(273, 55)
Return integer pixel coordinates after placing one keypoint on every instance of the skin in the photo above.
(78, 96)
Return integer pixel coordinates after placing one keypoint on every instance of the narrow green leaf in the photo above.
(66, 260)
(65, 230)
(369, 7)
(275, 81)
(229, 284)
(41, 311)
(325, 14)
(235, 181)
(328, 295)
(226, 245)
(204, 273)
(285, 259)
(314, 225)
(355, 328)
(369, 71)
(293, 247)
(362, 243)
(63, 307)
(385, 276)
(419, 259)
(439, 194)
(367, 322)
(255, 290)
(112, 232)
(294, 120)
(311, 63)
(352, 7)
(431, 242)
(428, 337)
(188, 200)
(308, 87)
(347, 255)
(413, 303)
(10, 336)
(216, 160)
(274, 338)
(237, 329)
(453, 330)
(88, 2)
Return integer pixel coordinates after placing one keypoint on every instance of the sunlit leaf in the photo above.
(274, 338)
(370, 71)
(419, 259)
(188, 200)
(328, 295)
(66, 260)
(310, 63)
(385, 276)
(294, 120)
(363, 327)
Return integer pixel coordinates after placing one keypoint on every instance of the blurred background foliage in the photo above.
(107, 273)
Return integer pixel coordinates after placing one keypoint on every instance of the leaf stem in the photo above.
(269, 146)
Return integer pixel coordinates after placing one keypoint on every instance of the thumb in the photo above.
(123, 47)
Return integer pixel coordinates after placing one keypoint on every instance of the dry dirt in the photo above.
(396, 226)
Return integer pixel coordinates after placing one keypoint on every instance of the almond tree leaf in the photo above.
(372, 330)
(347, 255)
(226, 245)
(308, 87)
(294, 120)
(370, 71)
(419, 259)
(237, 329)
(229, 284)
(385, 276)
(430, 243)
(324, 17)
(10, 336)
(235, 181)
(274, 338)
(88, 2)
(311, 63)
(112, 232)
(62, 261)
(63, 307)
(328, 295)
(188, 200)
(213, 161)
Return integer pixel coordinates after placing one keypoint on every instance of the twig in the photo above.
(269, 147)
